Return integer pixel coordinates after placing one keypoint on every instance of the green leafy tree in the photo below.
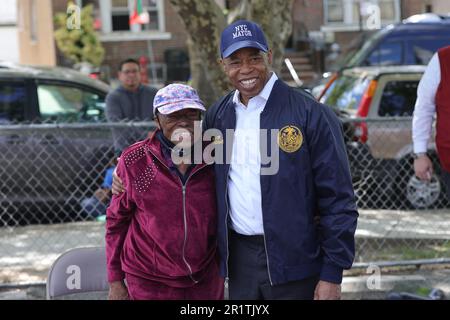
(76, 37)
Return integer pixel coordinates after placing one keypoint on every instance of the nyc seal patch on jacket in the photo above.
(290, 139)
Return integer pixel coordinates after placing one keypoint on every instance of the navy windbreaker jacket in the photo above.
(312, 181)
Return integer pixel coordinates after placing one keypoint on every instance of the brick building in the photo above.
(340, 20)
(315, 23)
(164, 32)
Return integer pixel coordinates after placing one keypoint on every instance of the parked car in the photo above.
(40, 169)
(411, 42)
(380, 151)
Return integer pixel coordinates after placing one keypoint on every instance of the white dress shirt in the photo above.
(425, 107)
(244, 187)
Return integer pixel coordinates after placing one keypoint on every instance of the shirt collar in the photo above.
(265, 92)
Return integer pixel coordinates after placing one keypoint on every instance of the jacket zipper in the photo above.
(262, 211)
(227, 295)
(184, 214)
(267, 255)
(186, 231)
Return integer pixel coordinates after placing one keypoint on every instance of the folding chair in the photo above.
(79, 270)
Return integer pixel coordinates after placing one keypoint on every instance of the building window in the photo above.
(347, 13)
(335, 11)
(120, 15)
(116, 15)
(8, 13)
(388, 10)
(152, 8)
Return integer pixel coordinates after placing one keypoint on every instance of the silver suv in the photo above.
(379, 143)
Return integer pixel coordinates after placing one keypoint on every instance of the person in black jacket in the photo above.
(287, 210)
(270, 243)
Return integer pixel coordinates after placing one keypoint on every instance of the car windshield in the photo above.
(346, 93)
(342, 61)
(354, 58)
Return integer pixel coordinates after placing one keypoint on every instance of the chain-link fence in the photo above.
(50, 175)
(48, 170)
(401, 217)
(380, 153)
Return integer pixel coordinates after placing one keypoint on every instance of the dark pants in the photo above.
(249, 278)
(446, 180)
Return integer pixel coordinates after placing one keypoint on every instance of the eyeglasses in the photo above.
(176, 116)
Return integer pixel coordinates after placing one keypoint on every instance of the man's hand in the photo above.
(118, 291)
(102, 195)
(117, 184)
(423, 168)
(327, 291)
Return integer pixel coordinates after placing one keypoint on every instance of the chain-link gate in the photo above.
(48, 171)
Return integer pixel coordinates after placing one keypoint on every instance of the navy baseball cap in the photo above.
(242, 34)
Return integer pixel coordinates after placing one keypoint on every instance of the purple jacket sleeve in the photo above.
(118, 218)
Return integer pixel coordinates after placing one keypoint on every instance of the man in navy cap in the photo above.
(287, 235)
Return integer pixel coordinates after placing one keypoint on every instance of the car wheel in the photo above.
(413, 193)
(423, 194)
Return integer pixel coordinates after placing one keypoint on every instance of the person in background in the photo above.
(95, 206)
(433, 98)
(131, 101)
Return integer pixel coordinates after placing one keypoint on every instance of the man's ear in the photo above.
(221, 63)
(269, 57)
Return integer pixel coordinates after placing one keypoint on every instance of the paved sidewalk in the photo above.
(391, 224)
(26, 253)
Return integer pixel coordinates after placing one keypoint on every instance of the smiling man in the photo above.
(270, 242)
(129, 102)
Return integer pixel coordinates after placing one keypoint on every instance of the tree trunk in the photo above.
(204, 21)
(275, 18)
(199, 75)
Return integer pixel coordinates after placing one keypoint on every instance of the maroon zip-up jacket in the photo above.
(159, 229)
